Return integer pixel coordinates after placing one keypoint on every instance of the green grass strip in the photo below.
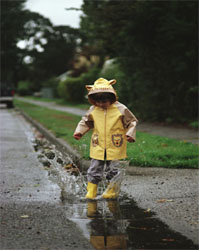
(148, 151)
(60, 101)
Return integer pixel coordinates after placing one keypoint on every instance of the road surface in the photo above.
(32, 216)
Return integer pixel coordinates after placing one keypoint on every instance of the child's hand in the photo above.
(130, 139)
(77, 136)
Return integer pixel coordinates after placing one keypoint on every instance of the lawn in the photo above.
(148, 151)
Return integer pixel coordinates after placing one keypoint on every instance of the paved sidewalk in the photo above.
(32, 215)
(52, 105)
(171, 193)
(189, 135)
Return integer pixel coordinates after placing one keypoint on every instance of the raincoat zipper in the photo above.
(105, 112)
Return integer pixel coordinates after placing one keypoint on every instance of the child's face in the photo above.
(103, 104)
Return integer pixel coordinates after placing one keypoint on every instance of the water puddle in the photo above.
(121, 224)
(107, 224)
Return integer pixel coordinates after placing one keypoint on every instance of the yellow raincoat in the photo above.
(110, 126)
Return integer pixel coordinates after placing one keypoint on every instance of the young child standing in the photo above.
(113, 125)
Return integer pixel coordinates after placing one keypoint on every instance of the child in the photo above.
(113, 124)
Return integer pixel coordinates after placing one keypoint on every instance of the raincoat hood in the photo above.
(101, 85)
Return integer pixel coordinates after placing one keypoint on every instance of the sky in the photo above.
(55, 11)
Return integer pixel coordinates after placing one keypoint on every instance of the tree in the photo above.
(49, 48)
(155, 43)
(45, 50)
(102, 25)
(12, 21)
(163, 55)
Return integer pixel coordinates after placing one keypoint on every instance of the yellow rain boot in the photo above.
(111, 192)
(92, 190)
(92, 209)
(113, 207)
(98, 242)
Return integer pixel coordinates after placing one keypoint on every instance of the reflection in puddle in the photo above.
(113, 224)
(107, 232)
(120, 224)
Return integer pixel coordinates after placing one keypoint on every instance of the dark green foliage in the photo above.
(194, 125)
(113, 71)
(73, 88)
(24, 88)
(52, 83)
(160, 62)
(90, 76)
(155, 43)
(12, 21)
(57, 51)
(48, 50)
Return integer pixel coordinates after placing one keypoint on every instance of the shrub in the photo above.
(24, 88)
(112, 71)
(52, 83)
(73, 88)
(90, 76)
(194, 124)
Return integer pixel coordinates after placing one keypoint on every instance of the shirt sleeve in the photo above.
(86, 123)
(130, 121)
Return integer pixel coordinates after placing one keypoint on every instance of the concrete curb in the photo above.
(60, 144)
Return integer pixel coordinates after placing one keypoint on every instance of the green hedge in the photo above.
(52, 83)
(113, 71)
(24, 88)
(73, 88)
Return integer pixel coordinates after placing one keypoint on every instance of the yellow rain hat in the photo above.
(101, 85)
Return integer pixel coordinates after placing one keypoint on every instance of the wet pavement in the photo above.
(31, 211)
(122, 224)
(115, 224)
(43, 205)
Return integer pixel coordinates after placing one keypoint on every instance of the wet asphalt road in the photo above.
(37, 215)
(32, 215)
